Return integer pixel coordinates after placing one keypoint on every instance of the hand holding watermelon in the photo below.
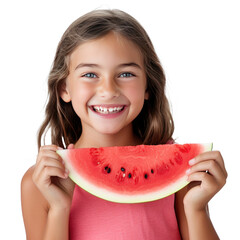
(207, 176)
(51, 178)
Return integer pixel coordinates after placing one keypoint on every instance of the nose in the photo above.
(108, 88)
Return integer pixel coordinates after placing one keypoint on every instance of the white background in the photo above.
(198, 43)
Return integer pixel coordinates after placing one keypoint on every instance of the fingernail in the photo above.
(188, 171)
(66, 173)
(192, 162)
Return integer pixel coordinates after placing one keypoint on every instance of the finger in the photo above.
(214, 155)
(70, 146)
(200, 177)
(48, 162)
(49, 147)
(50, 171)
(208, 182)
(49, 154)
(211, 167)
(44, 177)
(48, 151)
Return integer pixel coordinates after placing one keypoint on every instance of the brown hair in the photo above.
(154, 125)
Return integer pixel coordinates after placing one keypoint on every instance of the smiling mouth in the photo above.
(108, 110)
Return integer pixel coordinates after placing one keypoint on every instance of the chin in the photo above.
(109, 130)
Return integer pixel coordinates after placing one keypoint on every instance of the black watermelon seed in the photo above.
(129, 175)
(122, 169)
(107, 169)
(145, 175)
(152, 171)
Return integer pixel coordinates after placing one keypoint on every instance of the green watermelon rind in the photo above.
(126, 198)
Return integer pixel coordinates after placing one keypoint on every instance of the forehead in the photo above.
(109, 49)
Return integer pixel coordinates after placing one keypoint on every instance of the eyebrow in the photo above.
(130, 64)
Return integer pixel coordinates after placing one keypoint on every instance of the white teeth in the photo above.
(105, 110)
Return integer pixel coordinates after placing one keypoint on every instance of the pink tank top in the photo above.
(92, 218)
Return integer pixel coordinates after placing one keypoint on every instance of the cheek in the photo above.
(80, 96)
(136, 93)
(136, 97)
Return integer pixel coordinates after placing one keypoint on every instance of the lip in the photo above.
(111, 109)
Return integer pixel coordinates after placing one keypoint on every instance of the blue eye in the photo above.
(90, 75)
(126, 75)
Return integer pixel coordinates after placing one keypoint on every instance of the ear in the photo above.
(64, 93)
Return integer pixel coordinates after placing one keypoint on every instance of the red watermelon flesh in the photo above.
(131, 174)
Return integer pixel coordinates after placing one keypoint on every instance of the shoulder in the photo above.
(29, 190)
(34, 205)
(27, 184)
(27, 181)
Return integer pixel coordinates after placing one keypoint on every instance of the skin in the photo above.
(192, 201)
(106, 86)
(109, 72)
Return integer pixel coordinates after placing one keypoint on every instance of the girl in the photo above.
(106, 88)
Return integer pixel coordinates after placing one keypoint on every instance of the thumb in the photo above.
(70, 146)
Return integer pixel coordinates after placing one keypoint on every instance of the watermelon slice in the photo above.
(131, 174)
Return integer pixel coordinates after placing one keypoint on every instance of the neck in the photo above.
(122, 138)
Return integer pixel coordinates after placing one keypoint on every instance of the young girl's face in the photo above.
(106, 84)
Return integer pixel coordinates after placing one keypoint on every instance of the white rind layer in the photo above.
(126, 198)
